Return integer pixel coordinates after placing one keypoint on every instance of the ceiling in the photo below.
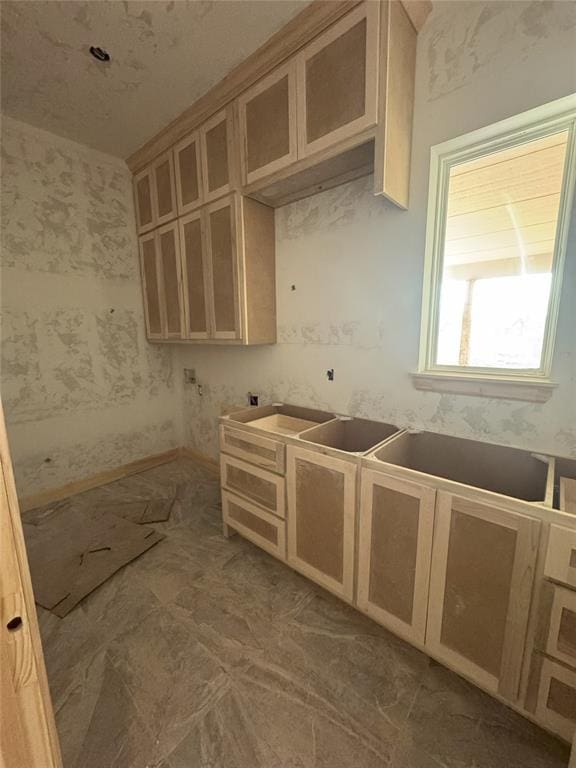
(164, 56)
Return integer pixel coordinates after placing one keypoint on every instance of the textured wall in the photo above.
(357, 261)
(82, 389)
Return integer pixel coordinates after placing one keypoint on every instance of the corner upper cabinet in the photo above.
(217, 153)
(394, 552)
(337, 81)
(322, 518)
(188, 167)
(268, 131)
(483, 566)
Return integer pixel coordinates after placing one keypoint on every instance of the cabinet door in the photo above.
(338, 81)
(150, 271)
(268, 124)
(189, 190)
(144, 200)
(483, 564)
(195, 280)
(321, 518)
(170, 280)
(164, 189)
(394, 553)
(216, 143)
(222, 247)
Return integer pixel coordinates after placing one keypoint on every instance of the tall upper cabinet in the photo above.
(327, 100)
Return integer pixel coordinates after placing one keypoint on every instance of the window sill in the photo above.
(485, 386)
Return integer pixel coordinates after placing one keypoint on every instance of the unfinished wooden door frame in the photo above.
(275, 446)
(348, 469)
(225, 115)
(563, 598)
(182, 221)
(288, 69)
(151, 236)
(29, 737)
(185, 208)
(237, 250)
(171, 227)
(250, 469)
(548, 717)
(278, 550)
(146, 173)
(370, 10)
(416, 630)
(527, 528)
(165, 218)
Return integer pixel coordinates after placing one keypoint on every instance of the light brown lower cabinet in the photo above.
(253, 483)
(483, 564)
(561, 642)
(257, 525)
(556, 705)
(321, 518)
(394, 553)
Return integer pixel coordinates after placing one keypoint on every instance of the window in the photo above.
(499, 210)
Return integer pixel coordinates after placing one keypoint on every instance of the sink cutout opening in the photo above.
(350, 435)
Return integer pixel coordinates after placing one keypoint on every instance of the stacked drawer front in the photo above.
(253, 488)
(556, 703)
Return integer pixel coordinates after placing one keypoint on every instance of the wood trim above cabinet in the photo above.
(303, 28)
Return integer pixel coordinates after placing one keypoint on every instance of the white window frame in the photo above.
(523, 384)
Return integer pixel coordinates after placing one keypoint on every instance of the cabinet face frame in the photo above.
(416, 630)
(563, 598)
(278, 550)
(267, 82)
(207, 334)
(275, 480)
(563, 726)
(184, 208)
(148, 174)
(348, 470)
(528, 529)
(158, 219)
(235, 212)
(225, 115)
(172, 227)
(369, 10)
(152, 236)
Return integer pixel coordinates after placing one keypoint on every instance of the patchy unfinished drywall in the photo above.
(82, 389)
(356, 261)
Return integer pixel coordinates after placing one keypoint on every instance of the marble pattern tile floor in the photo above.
(208, 653)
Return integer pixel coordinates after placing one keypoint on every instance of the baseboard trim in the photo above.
(101, 478)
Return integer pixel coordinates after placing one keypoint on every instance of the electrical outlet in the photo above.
(330, 374)
(189, 376)
(252, 399)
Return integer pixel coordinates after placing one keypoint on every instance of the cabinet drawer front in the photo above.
(483, 563)
(321, 518)
(562, 631)
(258, 526)
(394, 552)
(561, 556)
(253, 448)
(257, 485)
(556, 706)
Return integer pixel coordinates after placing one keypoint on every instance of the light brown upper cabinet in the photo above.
(224, 278)
(268, 131)
(483, 565)
(170, 280)
(189, 188)
(394, 552)
(337, 83)
(151, 282)
(216, 141)
(144, 200)
(195, 277)
(321, 518)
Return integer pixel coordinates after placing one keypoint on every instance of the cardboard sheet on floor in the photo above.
(71, 552)
(142, 512)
